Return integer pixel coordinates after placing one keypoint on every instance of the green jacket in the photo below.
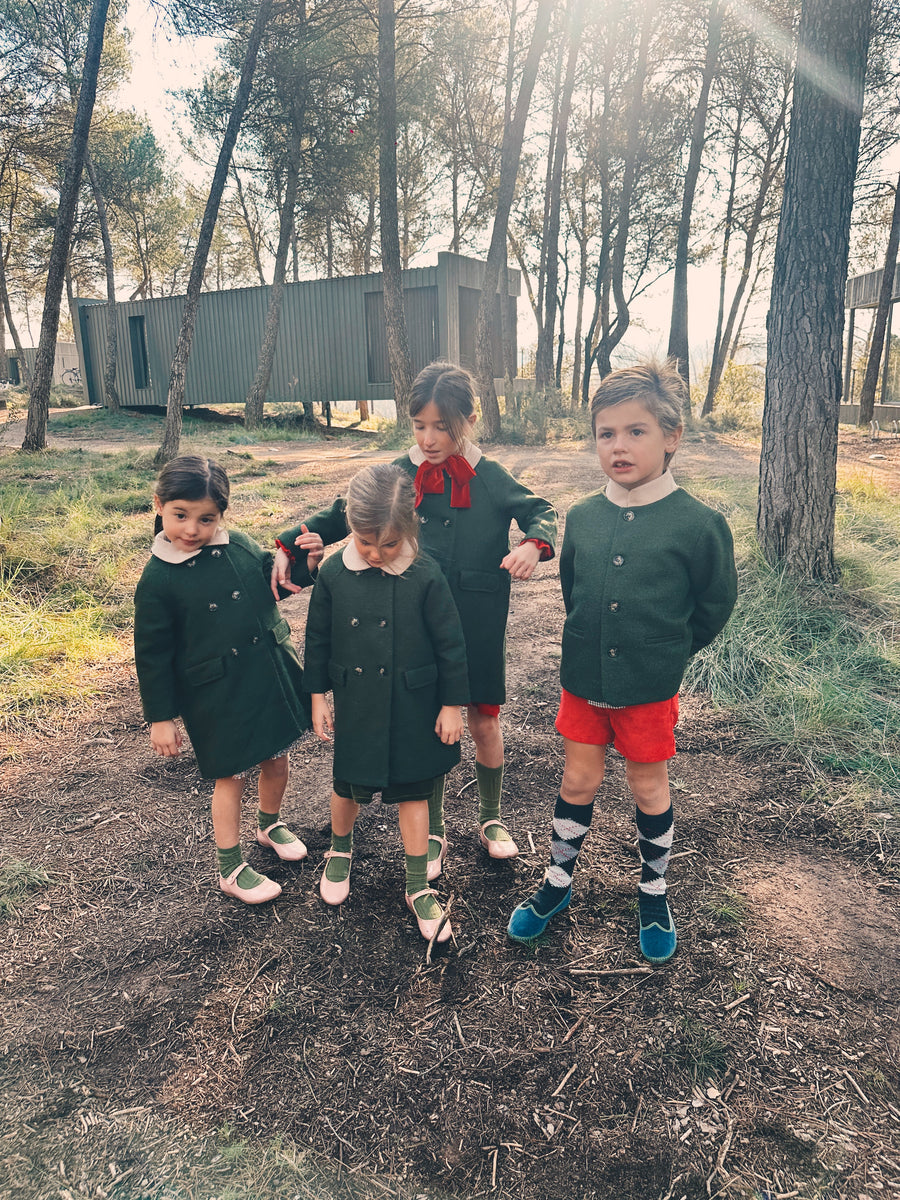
(468, 545)
(644, 589)
(391, 651)
(211, 647)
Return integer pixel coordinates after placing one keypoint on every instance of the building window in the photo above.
(140, 363)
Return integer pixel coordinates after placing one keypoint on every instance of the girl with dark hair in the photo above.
(211, 648)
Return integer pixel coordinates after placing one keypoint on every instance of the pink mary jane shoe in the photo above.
(427, 928)
(289, 851)
(436, 865)
(331, 892)
(497, 849)
(266, 889)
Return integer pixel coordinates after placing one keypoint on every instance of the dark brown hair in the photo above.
(381, 499)
(654, 383)
(192, 477)
(452, 389)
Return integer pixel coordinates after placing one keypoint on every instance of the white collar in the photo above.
(354, 561)
(163, 548)
(471, 453)
(646, 493)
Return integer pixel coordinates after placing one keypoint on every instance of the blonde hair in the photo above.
(381, 499)
(654, 383)
(452, 389)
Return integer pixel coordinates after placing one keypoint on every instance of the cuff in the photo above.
(281, 546)
(545, 548)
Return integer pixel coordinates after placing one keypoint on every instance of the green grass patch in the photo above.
(19, 880)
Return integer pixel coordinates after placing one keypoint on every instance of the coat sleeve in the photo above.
(329, 523)
(155, 639)
(714, 581)
(535, 516)
(317, 652)
(567, 567)
(446, 634)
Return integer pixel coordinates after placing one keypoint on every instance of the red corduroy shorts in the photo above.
(642, 733)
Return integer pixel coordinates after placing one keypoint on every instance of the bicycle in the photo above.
(72, 377)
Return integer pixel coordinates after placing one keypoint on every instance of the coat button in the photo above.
(613, 606)
(628, 516)
(446, 522)
(234, 651)
(354, 621)
(612, 651)
(235, 595)
(358, 670)
(253, 641)
(381, 670)
(213, 607)
(618, 560)
(423, 520)
(192, 562)
(217, 553)
(382, 624)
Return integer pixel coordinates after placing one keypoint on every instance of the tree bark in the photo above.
(510, 154)
(39, 402)
(679, 345)
(113, 402)
(24, 373)
(175, 399)
(394, 315)
(798, 461)
(870, 383)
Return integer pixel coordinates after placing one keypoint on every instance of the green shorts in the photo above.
(394, 793)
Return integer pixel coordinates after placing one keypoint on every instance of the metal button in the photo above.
(628, 516)
(613, 606)
(446, 522)
(354, 621)
(423, 520)
(192, 562)
(358, 670)
(234, 651)
(381, 670)
(618, 560)
(217, 553)
(253, 641)
(235, 595)
(213, 607)
(612, 651)
(382, 624)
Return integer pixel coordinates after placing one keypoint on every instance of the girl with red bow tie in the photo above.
(465, 503)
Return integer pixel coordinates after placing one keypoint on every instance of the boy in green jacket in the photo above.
(648, 579)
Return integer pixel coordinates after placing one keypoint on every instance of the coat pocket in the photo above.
(479, 581)
(205, 672)
(418, 677)
(337, 674)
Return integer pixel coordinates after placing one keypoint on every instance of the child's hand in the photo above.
(314, 547)
(323, 722)
(281, 575)
(521, 562)
(449, 724)
(166, 738)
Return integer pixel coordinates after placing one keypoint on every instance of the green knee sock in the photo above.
(337, 869)
(231, 858)
(490, 788)
(416, 881)
(436, 808)
(281, 836)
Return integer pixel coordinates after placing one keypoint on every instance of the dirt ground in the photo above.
(157, 1037)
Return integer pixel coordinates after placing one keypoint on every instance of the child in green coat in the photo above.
(383, 635)
(465, 503)
(211, 648)
(648, 579)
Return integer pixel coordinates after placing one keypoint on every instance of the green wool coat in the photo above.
(211, 647)
(644, 589)
(391, 651)
(468, 545)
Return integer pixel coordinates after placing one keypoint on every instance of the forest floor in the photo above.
(159, 1041)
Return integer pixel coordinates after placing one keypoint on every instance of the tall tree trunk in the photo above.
(256, 397)
(870, 383)
(175, 399)
(113, 402)
(544, 373)
(679, 344)
(510, 153)
(798, 461)
(39, 403)
(252, 235)
(24, 373)
(394, 315)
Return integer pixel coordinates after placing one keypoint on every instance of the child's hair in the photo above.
(655, 383)
(453, 391)
(192, 477)
(381, 499)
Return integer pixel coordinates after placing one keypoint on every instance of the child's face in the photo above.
(631, 443)
(188, 524)
(433, 437)
(379, 553)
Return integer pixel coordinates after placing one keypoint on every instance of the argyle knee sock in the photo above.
(571, 823)
(281, 836)
(231, 858)
(337, 869)
(417, 881)
(655, 834)
(490, 789)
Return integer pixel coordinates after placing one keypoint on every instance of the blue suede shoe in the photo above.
(658, 936)
(526, 923)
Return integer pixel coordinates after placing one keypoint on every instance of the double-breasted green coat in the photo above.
(468, 544)
(211, 647)
(391, 651)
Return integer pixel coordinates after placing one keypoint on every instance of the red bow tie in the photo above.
(430, 480)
